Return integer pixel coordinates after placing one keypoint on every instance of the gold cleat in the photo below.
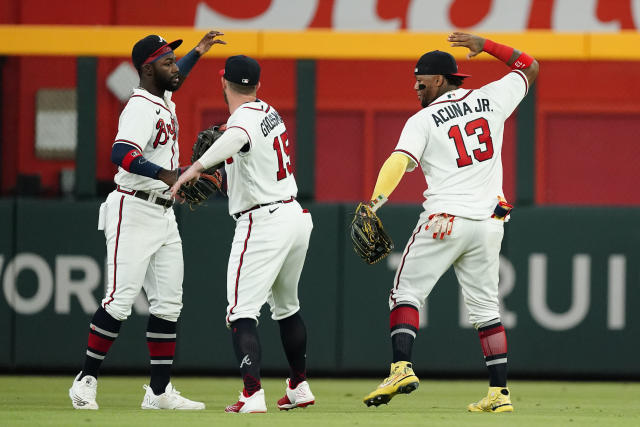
(498, 399)
(401, 379)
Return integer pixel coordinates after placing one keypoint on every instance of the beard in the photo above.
(166, 83)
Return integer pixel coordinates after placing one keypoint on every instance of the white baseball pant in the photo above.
(473, 248)
(144, 251)
(266, 260)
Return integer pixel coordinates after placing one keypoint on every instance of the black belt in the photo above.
(239, 214)
(166, 203)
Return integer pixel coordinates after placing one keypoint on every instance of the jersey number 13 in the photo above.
(484, 137)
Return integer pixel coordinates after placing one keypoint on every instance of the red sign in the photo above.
(341, 15)
(422, 15)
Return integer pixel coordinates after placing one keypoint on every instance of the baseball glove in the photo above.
(369, 239)
(206, 138)
(199, 191)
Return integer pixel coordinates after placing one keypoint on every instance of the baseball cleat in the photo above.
(298, 397)
(170, 399)
(83, 392)
(498, 399)
(254, 404)
(401, 379)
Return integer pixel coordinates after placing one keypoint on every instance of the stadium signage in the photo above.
(423, 15)
(78, 277)
(72, 277)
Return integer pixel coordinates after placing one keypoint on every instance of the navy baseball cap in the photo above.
(438, 62)
(242, 70)
(151, 48)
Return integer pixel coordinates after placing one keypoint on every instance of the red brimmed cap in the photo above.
(438, 62)
(150, 49)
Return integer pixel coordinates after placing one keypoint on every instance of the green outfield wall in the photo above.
(569, 281)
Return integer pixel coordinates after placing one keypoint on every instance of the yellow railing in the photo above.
(311, 44)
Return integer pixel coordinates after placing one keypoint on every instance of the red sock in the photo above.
(493, 340)
(161, 342)
(403, 324)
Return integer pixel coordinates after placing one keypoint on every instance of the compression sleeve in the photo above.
(186, 63)
(132, 160)
(390, 175)
(504, 53)
(231, 141)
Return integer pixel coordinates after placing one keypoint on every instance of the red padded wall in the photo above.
(588, 116)
(361, 105)
(592, 159)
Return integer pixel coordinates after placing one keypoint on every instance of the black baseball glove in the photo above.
(197, 192)
(369, 239)
(206, 138)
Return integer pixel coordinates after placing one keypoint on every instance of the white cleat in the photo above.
(298, 397)
(253, 404)
(170, 399)
(83, 392)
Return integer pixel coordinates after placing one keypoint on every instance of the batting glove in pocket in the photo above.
(440, 225)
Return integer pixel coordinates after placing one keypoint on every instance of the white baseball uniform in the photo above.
(144, 249)
(457, 141)
(272, 229)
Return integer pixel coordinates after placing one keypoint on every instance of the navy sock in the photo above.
(493, 340)
(161, 341)
(403, 326)
(103, 331)
(294, 341)
(246, 344)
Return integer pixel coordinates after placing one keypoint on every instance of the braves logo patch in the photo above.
(245, 361)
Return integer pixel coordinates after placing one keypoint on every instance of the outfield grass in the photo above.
(31, 400)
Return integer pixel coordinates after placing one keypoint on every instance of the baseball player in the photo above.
(456, 139)
(271, 237)
(144, 249)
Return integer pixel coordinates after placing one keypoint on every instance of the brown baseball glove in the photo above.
(206, 138)
(195, 193)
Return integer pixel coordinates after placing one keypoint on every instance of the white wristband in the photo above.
(378, 202)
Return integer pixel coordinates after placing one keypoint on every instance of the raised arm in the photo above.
(186, 63)
(514, 58)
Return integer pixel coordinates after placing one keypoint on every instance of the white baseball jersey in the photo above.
(149, 124)
(260, 172)
(457, 141)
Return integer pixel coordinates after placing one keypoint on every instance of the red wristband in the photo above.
(498, 50)
(128, 158)
(522, 62)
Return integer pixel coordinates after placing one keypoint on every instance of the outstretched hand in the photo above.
(472, 42)
(209, 40)
(191, 174)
